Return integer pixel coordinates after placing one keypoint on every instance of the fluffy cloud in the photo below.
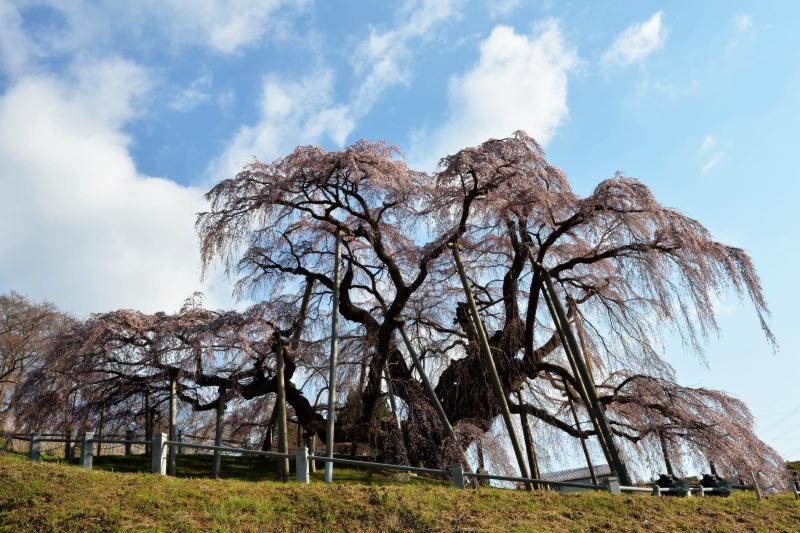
(384, 58)
(81, 226)
(292, 112)
(221, 25)
(637, 42)
(519, 82)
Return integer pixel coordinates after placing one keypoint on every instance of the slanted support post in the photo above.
(587, 390)
(613, 485)
(457, 478)
(432, 394)
(159, 455)
(86, 449)
(337, 266)
(756, 487)
(301, 464)
(795, 490)
(494, 376)
(129, 442)
(35, 448)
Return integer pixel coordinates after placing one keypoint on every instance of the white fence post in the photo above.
(35, 448)
(301, 464)
(86, 449)
(159, 463)
(656, 490)
(613, 485)
(457, 476)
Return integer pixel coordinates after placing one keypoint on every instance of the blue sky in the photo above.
(116, 117)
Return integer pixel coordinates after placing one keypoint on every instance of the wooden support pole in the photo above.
(437, 405)
(616, 462)
(100, 425)
(283, 438)
(494, 376)
(337, 264)
(173, 393)
(665, 452)
(148, 421)
(584, 445)
(533, 462)
(756, 486)
(218, 427)
(392, 400)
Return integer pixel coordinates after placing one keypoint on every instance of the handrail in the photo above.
(378, 466)
(591, 486)
(229, 449)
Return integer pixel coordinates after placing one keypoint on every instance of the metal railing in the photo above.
(456, 475)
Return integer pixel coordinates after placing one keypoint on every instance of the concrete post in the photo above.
(301, 464)
(793, 486)
(457, 476)
(86, 449)
(35, 448)
(656, 490)
(613, 485)
(159, 455)
(128, 444)
(180, 443)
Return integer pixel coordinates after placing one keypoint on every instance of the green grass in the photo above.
(57, 497)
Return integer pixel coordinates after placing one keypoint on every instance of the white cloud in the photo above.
(708, 143)
(637, 42)
(292, 112)
(305, 111)
(502, 8)
(519, 82)
(81, 226)
(712, 153)
(384, 59)
(224, 26)
(742, 22)
(197, 93)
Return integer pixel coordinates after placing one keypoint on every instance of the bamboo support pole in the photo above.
(584, 446)
(593, 404)
(495, 377)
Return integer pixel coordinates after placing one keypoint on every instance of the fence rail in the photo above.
(160, 445)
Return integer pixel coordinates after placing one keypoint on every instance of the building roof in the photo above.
(576, 473)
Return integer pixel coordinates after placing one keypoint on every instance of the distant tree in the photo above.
(25, 331)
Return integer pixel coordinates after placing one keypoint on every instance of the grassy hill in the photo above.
(58, 497)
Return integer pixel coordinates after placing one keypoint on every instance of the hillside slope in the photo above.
(55, 497)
